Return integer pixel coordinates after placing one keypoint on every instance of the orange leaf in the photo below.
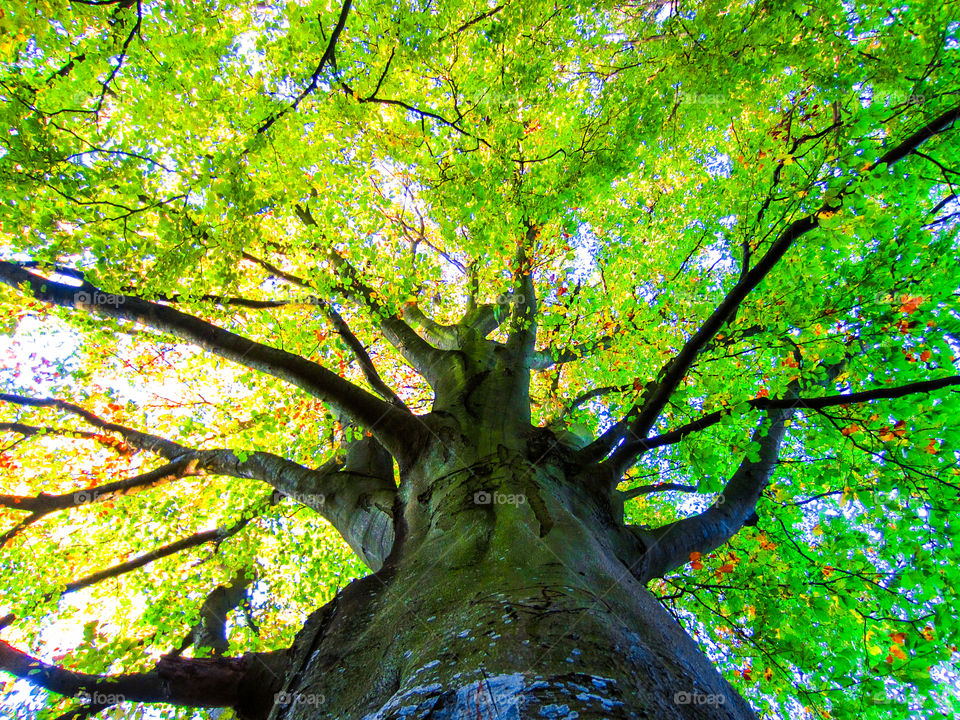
(910, 304)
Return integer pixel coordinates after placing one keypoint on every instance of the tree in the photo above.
(615, 343)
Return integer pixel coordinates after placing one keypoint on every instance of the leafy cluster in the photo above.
(231, 159)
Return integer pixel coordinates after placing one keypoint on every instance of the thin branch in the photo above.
(328, 58)
(134, 438)
(648, 489)
(248, 303)
(550, 357)
(35, 431)
(422, 114)
(474, 21)
(277, 272)
(123, 53)
(362, 356)
(217, 535)
(590, 395)
(638, 446)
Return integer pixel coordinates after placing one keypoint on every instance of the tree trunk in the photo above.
(505, 597)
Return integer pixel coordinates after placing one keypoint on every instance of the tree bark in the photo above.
(506, 596)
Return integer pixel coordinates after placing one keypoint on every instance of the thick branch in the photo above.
(443, 337)
(134, 438)
(486, 318)
(673, 543)
(394, 427)
(211, 630)
(246, 683)
(522, 335)
(44, 504)
(669, 546)
(355, 497)
(641, 418)
(422, 356)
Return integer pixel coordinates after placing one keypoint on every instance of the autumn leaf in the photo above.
(909, 304)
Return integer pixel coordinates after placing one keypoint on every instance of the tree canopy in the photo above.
(237, 240)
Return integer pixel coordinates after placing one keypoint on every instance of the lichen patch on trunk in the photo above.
(514, 696)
